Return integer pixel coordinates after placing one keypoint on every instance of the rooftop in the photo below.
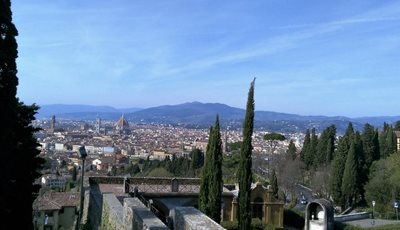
(56, 200)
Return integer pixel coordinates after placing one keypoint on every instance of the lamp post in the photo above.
(83, 155)
(396, 207)
(267, 159)
(373, 212)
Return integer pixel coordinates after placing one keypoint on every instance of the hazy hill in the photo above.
(197, 114)
(188, 113)
(83, 112)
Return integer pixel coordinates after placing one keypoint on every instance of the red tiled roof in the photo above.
(56, 200)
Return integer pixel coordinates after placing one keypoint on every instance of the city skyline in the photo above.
(309, 58)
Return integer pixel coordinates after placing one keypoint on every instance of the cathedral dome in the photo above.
(122, 124)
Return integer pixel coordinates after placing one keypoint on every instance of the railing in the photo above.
(162, 185)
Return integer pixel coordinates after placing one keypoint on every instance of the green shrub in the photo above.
(257, 224)
(230, 225)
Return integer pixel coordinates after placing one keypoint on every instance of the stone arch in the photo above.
(319, 215)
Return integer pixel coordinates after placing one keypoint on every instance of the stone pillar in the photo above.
(126, 185)
(174, 185)
(234, 209)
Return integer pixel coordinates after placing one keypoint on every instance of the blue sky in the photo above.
(309, 57)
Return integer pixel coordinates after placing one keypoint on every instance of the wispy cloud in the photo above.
(345, 22)
(287, 41)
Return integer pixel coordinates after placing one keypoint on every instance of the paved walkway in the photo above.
(368, 223)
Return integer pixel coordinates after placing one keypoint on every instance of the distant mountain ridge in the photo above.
(83, 112)
(197, 114)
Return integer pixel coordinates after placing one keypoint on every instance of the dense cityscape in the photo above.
(117, 143)
(158, 162)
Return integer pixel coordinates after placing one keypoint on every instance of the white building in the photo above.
(59, 147)
(53, 181)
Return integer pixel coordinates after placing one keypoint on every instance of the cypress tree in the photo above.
(390, 142)
(305, 151)
(245, 174)
(274, 184)
(330, 148)
(211, 182)
(74, 173)
(337, 169)
(197, 161)
(362, 172)
(349, 183)
(349, 132)
(216, 183)
(19, 147)
(205, 177)
(291, 151)
(331, 143)
(397, 126)
(382, 141)
(377, 151)
(370, 145)
(325, 147)
(320, 156)
(338, 166)
(312, 149)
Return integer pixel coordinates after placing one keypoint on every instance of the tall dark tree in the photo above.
(377, 155)
(245, 173)
(205, 177)
(337, 169)
(74, 173)
(349, 131)
(19, 147)
(291, 151)
(362, 170)
(390, 142)
(211, 182)
(312, 150)
(197, 159)
(305, 151)
(274, 184)
(383, 141)
(370, 145)
(325, 147)
(350, 176)
(397, 126)
(174, 164)
(338, 166)
(216, 183)
(330, 148)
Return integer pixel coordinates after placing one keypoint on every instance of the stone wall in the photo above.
(86, 199)
(352, 216)
(189, 218)
(132, 215)
(137, 216)
(112, 213)
(95, 207)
